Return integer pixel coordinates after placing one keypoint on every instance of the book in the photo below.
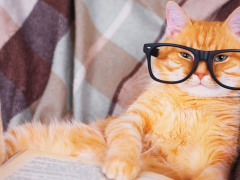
(37, 165)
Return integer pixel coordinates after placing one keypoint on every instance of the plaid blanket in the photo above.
(82, 58)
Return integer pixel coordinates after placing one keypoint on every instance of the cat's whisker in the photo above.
(150, 149)
(140, 79)
(145, 82)
(147, 74)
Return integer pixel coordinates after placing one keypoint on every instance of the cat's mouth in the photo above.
(202, 88)
(202, 84)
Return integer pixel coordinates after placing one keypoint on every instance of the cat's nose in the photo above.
(200, 74)
(202, 70)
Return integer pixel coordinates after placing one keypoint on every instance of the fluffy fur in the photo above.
(184, 131)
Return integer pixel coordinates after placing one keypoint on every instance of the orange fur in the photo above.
(167, 130)
(69, 138)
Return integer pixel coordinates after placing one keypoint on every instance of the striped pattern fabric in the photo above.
(82, 58)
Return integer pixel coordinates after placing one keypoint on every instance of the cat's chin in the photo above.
(204, 91)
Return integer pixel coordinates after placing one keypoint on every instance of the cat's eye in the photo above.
(186, 55)
(220, 58)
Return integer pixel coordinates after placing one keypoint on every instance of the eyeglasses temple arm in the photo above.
(154, 52)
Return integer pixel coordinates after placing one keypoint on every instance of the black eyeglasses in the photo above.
(165, 60)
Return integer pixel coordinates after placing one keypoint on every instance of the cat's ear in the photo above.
(176, 19)
(233, 21)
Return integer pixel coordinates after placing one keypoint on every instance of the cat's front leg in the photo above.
(124, 140)
(214, 172)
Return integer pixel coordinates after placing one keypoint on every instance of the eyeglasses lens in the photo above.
(170, 63)
(226, 68)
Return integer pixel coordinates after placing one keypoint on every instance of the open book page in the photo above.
(36, 165)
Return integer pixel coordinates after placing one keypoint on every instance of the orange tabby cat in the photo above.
(184, 131)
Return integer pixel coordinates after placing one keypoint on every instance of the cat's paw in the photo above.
(121, 168)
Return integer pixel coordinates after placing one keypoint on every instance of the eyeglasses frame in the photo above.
(199, 55)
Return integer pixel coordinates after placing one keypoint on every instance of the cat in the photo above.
(184, 131)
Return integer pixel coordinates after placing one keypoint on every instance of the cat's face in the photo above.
(205, 36)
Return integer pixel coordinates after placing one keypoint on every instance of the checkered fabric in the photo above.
(35, 59)
(82, 58)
